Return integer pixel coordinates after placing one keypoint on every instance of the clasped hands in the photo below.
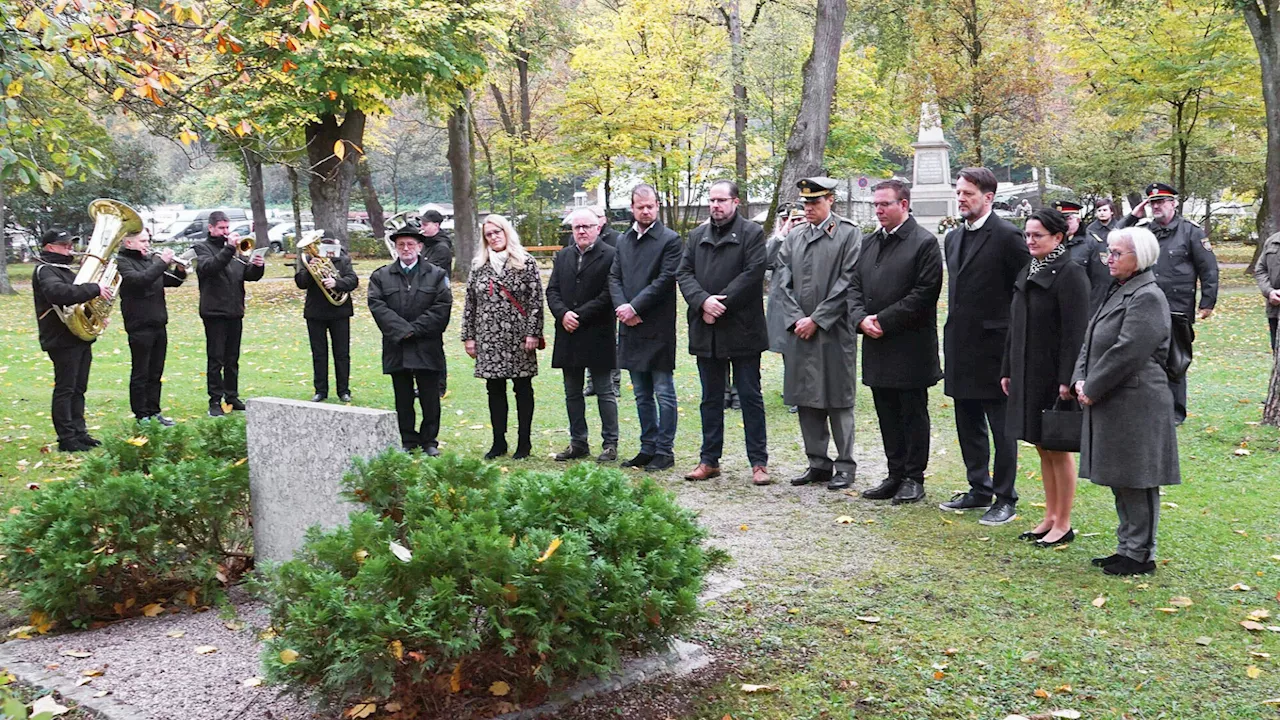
(627, 315)
(713, 308)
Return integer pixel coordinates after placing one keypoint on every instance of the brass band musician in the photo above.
(222, 274)
(143, 277)
(328, 311)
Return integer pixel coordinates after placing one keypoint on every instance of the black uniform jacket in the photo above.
(317, 306)
(222, 277)
(143, 279)
(412, 310)
(53, 283)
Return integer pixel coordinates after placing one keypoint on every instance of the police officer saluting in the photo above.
(54, 284)
(143, 278)
(1186, 257)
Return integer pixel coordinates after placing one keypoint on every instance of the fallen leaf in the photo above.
(1031, 657)
(551, 550)
(138, 441)
(1253, 671)
(869, 619)
(363, 710)
(455, 679)
(205, 649)
(1204, 640)
(1066, 714)
(392, 707)
(152, 610)
(288, 657)
(1240, 587)
(83, 681)
(1252, 626)
(499, 689)
(252, 682)
(793, 611)
(1099, 601)
(743, 527)
(1062, 689)
(47, 704)
(758, 688)
(76, 653)
(1041, 693)
(1182, 602)
(360, 555)
(1259, 614)
(1262, 655)
(175, 633)
(1167, 610)
(93, 672)
(844, 520)
(402, 553)
(1241, 452)
(396, 648)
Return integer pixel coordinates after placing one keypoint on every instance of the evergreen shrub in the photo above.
(457, 586)
(362, 244)
(156, 515)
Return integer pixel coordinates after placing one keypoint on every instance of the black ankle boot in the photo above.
(499, 448)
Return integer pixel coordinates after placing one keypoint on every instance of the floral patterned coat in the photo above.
(497, 327)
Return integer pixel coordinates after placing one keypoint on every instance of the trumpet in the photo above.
(182, 262)
(244, 246)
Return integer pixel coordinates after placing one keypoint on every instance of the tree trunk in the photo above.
(295, 198)
(1271, 409)
(1263, 19)
(371, 202)
(738, 62)
(808, 139)
(608, 185)
(257, 196)
(6, 287)
(332, 177)
(526, 110)
(459, 154)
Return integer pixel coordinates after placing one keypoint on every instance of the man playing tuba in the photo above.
(54, 284)
(326, 282)
(222, 277)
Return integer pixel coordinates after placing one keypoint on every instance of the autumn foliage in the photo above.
(160, 514)
(459, 587)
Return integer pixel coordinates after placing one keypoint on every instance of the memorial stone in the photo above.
(932, 196)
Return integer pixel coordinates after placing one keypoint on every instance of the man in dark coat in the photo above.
(810, 301)
(53, 283)
(410, 301)
(327, 321)
(578, 296)
(439, 252)
(1077, 240)
(609, 237)
(721, 277)
(143, 278)
(893, 302)
(1105, 220)
(222, 274)
(607, 234)
(1186, 257)
(642, 284)
(984, 257)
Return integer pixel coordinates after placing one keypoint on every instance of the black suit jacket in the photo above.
(979, 292)
(583, 288)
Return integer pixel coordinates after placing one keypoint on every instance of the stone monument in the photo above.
(298, 453)
(932, 196)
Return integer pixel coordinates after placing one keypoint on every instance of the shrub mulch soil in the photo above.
(164, 667)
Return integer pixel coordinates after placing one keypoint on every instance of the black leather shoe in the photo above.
(965, 501)
(89, 441)
(522, 450)
(72, 446)
(1129, 566)
(498, 449)
(163, 420)
(999, 514)
(812, 475)
(639, 461)
(344, 397)
(885, 490)
(236, 403)
(1105, 561)
(1071, 535)
(660, 462)
(911, 491)
(432, 451)
(1032, 535)
(319, 398)
(215, 410)
(573, 452)
(840, 480)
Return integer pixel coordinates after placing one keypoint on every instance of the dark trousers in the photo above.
(1139, 512)
(1178, 388)
(70, 380)
(973, 417)
(904, 428)
(319, 332)
(746, 377)
(497, 388)
(1272, 323)
(222, 346)
(428, 394)
(147, 348)
(576, 406)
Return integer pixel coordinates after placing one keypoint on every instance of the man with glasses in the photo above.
(1186, 258)
(578, 297)
(222, 274)
(721, 277)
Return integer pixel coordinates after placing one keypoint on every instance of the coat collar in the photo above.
(977, 237)
(1045, 277)
(824, 229)
(728, 233)
(1131, 286)
(904, 230)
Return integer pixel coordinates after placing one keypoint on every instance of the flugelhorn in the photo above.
(112, 220)
(320, 267)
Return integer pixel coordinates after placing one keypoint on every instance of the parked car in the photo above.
(194, 225)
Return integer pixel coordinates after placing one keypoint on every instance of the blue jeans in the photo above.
(746, 376)
(657, 420)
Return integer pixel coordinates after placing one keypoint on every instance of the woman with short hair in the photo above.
(1046, 326)
(1128, 440)
(502, 329)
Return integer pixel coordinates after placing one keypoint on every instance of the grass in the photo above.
(972, 623)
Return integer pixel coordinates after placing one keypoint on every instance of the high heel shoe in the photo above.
(1032, 535)
(1071, 535)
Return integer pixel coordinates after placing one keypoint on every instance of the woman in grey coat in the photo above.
(1128, 442)
(1267, 272)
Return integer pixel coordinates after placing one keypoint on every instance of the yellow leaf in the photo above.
(363, 710)
(41, 623)
(288, 657)
(743, 527)
(1259, 614)
(759, 688)
(1099, 601)
(252, 682)
(138, 441)
(192, 598)
(844, 520)
(1182, 602)
(1167, 610)
(205, 649)
(15, 89)
(339, 149)
(1041, 693)
(240, 462)
(938, 674)
(455, 679)
(152, 610)
(793, 611)
(1240, 587)
(499, 688)
(1253, 671)
(551, 550)
(117, 94)
(396, 648)
(94, 672)
(360, 555)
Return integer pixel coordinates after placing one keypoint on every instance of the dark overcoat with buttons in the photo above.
(1186, 259)
(727, 261)
(583, 287)
(1128, 439)
(1047, 319)
(898, 279)
(412, 311)
(644, 275)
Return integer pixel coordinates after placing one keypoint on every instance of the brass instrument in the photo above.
(245, 246)
(320, 267)
(112, 221)
(181, 261)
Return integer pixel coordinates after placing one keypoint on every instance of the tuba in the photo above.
(320, 267)
(112, 220)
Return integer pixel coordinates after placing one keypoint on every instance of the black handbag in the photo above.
(1060, 426)
(1181, 335)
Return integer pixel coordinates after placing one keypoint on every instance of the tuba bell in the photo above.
(320, 267)
(112, 221)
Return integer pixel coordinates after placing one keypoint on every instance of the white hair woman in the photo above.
(502, 328)
(1128, 440)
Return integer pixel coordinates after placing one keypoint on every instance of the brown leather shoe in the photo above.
(760, 475)
(703, 472)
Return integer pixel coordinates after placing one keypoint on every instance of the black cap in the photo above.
(57, 235)
(1067, 207)
(409, 231)
(1160, 190)
(432, 216)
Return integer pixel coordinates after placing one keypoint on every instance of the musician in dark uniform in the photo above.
(327, 321)
(1186, 258)
(410, 301)
(53, 283)
(143, 278)
(222, 274)
(438, 251)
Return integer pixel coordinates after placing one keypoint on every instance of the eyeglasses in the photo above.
(1037, 236)
(583, 228)
(494, 233)
(1112, 254)
(884, 204)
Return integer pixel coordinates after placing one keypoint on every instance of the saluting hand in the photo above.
(1140, 210)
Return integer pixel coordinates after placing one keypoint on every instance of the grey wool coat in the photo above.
(815, 266)
(1128, 438)
(497, 325)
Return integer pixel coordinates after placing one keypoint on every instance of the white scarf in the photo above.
(497, 260)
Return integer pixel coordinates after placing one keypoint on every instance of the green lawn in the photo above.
(972, 623)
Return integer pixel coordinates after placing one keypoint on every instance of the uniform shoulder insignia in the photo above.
(1207, 245)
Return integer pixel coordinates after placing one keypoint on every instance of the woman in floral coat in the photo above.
(502, 328)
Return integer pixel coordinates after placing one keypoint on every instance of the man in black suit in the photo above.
(984, 256)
